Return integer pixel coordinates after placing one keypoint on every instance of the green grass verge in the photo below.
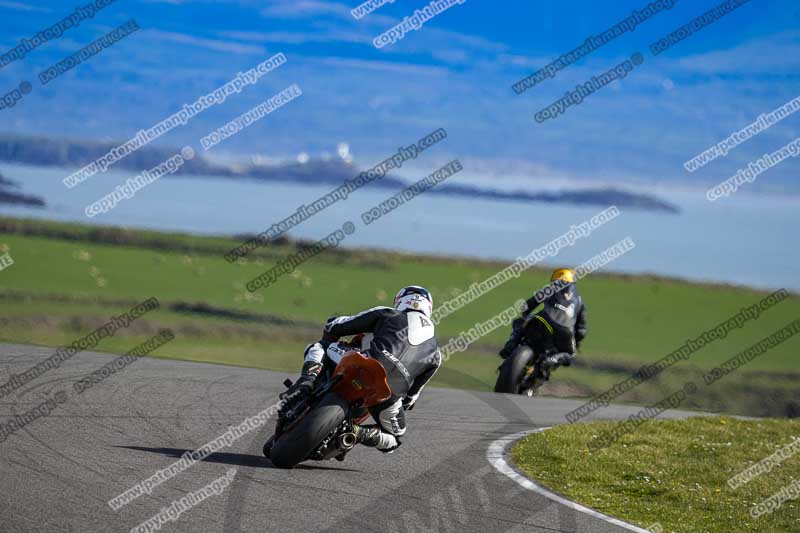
(670, 472)
(70, 273)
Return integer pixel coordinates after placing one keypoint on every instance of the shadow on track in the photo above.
(235, 459)
(463, 502)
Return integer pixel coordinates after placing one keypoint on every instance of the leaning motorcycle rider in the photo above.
(402, 340)
(561, 322)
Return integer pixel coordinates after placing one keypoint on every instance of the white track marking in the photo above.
(496, 456)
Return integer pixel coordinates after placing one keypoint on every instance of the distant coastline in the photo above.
(8, 197)
(43, 151)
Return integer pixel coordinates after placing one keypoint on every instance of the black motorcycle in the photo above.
(523, 371)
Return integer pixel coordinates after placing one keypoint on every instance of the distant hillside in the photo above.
(13, 198)
(601, 197)
(42, 151)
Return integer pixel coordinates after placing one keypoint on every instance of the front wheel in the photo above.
(513, 370)
(296, 444)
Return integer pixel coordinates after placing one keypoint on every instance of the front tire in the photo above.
(513, 370)
(295, 445)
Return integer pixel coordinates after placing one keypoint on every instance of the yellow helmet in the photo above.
(564, 274)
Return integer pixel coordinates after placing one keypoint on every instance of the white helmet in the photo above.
(414, 298)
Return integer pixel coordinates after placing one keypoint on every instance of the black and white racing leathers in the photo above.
(403, 342)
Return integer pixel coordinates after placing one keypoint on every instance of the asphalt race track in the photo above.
(59, 472)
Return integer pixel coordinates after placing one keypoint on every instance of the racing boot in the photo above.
(308, 378)
(373, 437)
(367, 435)
(305, 383)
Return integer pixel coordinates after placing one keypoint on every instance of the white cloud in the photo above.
(19, 6)
(385, 66)
(305, 8)
(210, 44)
(775, 54)
(298, 37)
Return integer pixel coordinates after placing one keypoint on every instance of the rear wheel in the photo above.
(296, 444)
(513, 370)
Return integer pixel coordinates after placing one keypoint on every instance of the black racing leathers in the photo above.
(561, 324)
(563, 310)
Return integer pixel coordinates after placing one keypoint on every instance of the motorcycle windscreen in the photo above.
(362, 378)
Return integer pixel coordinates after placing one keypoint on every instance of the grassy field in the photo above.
(674, 473)
(67, 278)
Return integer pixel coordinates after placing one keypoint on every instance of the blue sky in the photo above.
(456, 72)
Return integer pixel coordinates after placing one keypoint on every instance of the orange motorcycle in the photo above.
(320, 427)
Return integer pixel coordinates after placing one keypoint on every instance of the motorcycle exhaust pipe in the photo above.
(346, 441)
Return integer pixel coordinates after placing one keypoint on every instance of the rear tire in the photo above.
(513, 370)
(295, 445)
